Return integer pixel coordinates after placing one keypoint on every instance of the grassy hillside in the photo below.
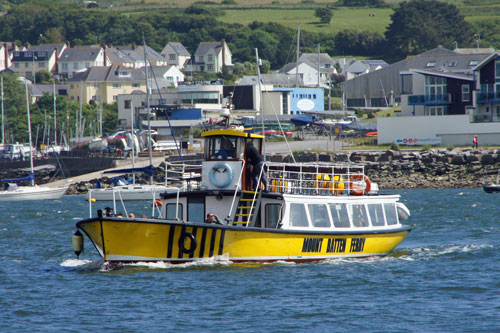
(344, 18)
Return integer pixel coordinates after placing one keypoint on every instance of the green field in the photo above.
(344, 18)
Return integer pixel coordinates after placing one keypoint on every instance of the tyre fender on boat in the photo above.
(403, 211)
(221, 168)
(359, 178)
(182, 244)
(77, 243)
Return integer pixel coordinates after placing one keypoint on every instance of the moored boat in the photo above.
(309, 212)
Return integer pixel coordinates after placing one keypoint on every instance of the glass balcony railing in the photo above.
(488, 97)
(430, 99)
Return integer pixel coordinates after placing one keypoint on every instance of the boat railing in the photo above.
(316, 179)
(236, 190)
(186, 175)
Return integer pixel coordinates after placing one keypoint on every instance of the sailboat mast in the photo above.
(149, 110)
(55, 115)
(29, 134)
(297, 58)
(261, 104)
(133, 137)
(3, 116)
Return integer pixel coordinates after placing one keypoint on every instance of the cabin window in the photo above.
(376, 215)
(171, 211)
(298, 217)
(273, 212)
(340, 215)
(196, 209)
(390, 213)
(359, 216)
(319, 215)
(222, 148)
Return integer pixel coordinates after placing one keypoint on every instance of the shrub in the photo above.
(394, 146)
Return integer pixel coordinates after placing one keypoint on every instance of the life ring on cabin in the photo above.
(357, 179)
(182, 245)
(215, 174)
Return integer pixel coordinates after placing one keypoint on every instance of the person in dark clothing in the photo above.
(255, 159)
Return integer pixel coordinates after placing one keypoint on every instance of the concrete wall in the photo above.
(456, 130)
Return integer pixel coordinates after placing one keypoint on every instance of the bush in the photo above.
(394, 146)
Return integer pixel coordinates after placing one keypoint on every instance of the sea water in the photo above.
(444, 277)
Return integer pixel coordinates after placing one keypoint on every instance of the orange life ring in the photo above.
(158, 203)
(358, 178)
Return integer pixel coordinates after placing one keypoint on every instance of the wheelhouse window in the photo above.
(319, 215)
(376, 215)
(359, 216)
(273, 214)
(390, 213)
(222, 147)
(340, 215)
(196, 209)
(497, 70)
(174, 211)
(298, 217)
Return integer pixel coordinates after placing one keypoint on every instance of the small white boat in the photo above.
(21, 193)
(98, 144)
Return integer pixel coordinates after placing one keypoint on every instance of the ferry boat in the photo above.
(309, 212)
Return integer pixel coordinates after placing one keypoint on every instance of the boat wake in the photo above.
(80, 264)
(429, 252)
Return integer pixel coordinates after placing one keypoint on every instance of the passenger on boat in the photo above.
(212, 218)
(131, 215)
(255, 159)
(227, 150)
(144, 216)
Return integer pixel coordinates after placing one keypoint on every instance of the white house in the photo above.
(176, 54)
(79, 58)
(211, 57)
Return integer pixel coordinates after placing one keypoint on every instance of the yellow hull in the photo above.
(123, 240)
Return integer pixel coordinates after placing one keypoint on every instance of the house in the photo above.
(361, 67)
(37, 58)
(79, 58)
(455, 97)
(6, 52)
(165, 76)
(104, 84)
(133, 56)
(176, 54)
(307, 72)
(210, 57)
(383, 87)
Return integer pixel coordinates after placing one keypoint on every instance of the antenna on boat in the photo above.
(148, 106)
(3, 120)
(261, 104)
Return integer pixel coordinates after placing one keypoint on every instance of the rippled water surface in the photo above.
(444, 277)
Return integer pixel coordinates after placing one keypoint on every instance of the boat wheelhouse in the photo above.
(310, 212)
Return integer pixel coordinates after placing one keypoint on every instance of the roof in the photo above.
(109, 74)
(276, 79)
(204, 47)
(80, 53)
(444, 74)
(230, 132)
(324, 58)
(179, 49)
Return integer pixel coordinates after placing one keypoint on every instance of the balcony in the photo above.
(430, 99)
(492, 97)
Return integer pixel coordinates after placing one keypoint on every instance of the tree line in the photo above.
(417, 25)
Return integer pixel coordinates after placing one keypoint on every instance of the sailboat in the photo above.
(129, 192)
(13, 192)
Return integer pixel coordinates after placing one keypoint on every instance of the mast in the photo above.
(55, 116)
(29, 133)
(133, 138)
(3, 116)
(149, 110)
(319, 66)
(261, 105)
(297, 58)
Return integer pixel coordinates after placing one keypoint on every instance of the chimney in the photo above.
(6, 53)
(56, 70)
(104, 62)
(223, 52)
